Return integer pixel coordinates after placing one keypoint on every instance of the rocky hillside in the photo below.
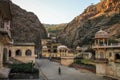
(54, 29)
(81, 30)
(25, 26)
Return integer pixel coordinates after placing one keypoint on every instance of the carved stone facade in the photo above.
(24, 52)
(107, 55)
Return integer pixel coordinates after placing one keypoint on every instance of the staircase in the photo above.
(13, 60)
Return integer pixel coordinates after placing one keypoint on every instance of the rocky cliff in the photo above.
(25, 26)
(81, 30)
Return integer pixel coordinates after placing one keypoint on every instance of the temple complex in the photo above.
(53, 49)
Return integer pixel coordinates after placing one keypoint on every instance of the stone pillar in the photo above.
(33, 52)
(107, 42)
(104, 42)
(98, 42)
(23, 52)
(7, 55)
(95, 42)
(101, 69)
(13, 51)
(97, 54)
(1, 56)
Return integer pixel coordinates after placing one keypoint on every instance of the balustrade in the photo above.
(101, 60)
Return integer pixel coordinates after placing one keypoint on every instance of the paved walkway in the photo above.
(50, 70)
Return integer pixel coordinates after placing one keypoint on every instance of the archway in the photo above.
(18, 53)
(55, 51)
(117, 56)
(9, 53)
(28, 52)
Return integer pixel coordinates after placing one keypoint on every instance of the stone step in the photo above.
(4, 72)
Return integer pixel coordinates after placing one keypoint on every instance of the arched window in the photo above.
(9, 53)
(28, 52)
(117, 56)
(55, 50)
(101, 55)
(18, 53)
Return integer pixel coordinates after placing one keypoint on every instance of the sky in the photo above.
(55, 11)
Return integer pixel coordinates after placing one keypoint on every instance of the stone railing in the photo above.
(106, 46)
(101, 60)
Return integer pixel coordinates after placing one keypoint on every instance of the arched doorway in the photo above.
(9, 53)
(18, 53)
(117, 56)
(4, 55)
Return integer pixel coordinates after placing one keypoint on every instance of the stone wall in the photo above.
(113, 69)
(67, 61)
(23, 57)
(100, 68)
(110, 69)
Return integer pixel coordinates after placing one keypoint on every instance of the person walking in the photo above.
(59, 71)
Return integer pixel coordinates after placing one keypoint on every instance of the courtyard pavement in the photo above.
(49, 71)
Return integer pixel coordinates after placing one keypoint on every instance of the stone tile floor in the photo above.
(50, 71)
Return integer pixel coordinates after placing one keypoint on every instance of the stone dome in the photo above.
(44, 47)
(62, 47)
(78, 48)
(101, 34)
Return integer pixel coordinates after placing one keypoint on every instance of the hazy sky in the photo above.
(55, 11)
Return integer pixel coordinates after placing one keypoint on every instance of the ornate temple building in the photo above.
(49, 47)
(107, 55)
(52, 49)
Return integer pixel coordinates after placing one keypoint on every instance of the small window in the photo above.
(28, 53)
(117, 56)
